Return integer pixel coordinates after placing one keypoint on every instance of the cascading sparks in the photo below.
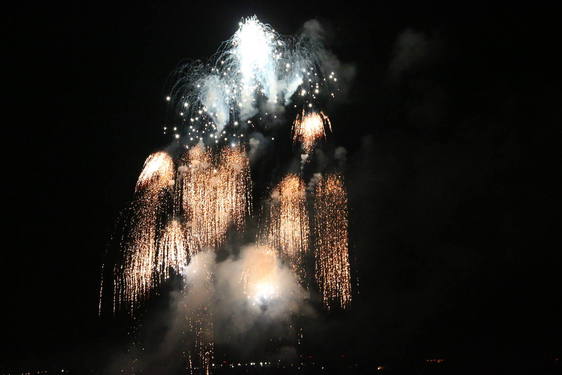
(308, 128)
(331, 241)
(137, 275)
(287, 223)
(215, 195)
(173, 250)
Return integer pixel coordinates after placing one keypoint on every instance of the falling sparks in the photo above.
(138, 274)
(331, 241)
(173, 250)
(287, 226)
(308, 128)
(215, 195)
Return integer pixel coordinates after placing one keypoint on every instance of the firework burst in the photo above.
(157, 172)
(139, 272)
(331, 241)
(308, 128)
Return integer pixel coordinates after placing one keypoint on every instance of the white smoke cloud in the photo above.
(256, 286)
(241, 292)
(315, 179)
(340, 154)
(258, 144)
(412, 50)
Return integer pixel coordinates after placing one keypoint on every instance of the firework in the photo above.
(287, 225)
(331, 241)
(157, 172)
(219, 99)
(138, 273)
(308, 128)
(179, 214)
(215, 195)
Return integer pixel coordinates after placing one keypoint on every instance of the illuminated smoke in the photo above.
(197, 309)
(259, 274)
(287, 223)
(331, 241)
(308, 128)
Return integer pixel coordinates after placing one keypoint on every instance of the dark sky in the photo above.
(452, 126)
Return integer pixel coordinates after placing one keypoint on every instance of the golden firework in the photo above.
(215, 193)
(157, 172)
(308, 128)
(172, 250)
(287, 222)
(138, 274)
(331, 241)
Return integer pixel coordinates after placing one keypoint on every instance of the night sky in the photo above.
(452, 130)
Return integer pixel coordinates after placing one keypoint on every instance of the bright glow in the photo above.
(308, 128)
(263, 292)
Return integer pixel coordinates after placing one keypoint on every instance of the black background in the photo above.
(453, 170)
